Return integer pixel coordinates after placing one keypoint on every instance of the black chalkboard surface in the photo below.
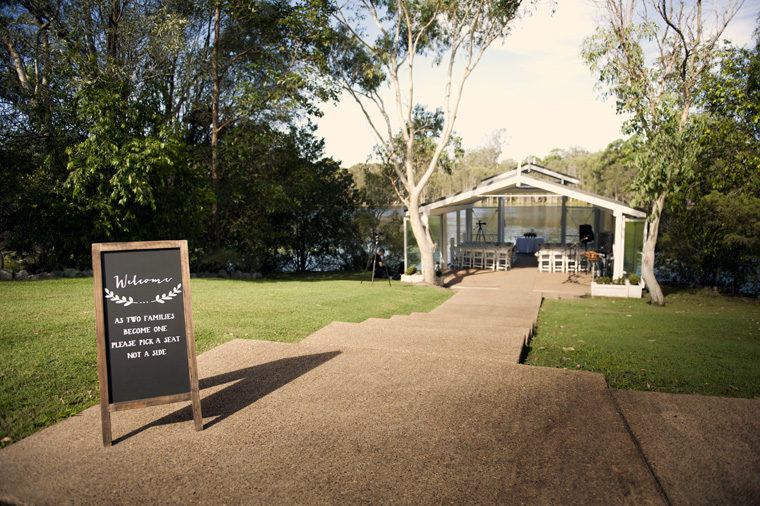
(146, 346)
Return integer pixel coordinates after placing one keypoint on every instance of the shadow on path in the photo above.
(248, 386)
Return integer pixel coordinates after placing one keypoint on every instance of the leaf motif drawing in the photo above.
(119, 300)
(168, 296)
(161, 299)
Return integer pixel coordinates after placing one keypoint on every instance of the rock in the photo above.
(223, 274)
(72, 273)
(22, 275)
(6, 274)
(57, 274)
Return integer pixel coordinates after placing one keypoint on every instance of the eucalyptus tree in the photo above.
(713, 227)
(383, 42)
(651, 55)
(266, 65)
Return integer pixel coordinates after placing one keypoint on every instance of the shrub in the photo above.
(411, 270)
(634, 279)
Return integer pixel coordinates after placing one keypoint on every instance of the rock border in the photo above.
(23, 275)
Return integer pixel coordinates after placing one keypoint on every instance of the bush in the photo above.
(411, 270)
(634, 279)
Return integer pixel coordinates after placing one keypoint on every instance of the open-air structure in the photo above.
(613, 223)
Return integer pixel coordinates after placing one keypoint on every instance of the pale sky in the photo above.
(535, 87)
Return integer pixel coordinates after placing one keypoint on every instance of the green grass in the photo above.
(48, 359)
(700, 342)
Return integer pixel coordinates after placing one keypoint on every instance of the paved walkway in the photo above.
(420, 409)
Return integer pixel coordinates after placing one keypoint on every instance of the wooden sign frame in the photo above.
(140, 359)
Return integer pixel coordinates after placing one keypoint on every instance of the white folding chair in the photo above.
(455, 260)
(503, 260)
(558, 261)
(489, 259)
(478, 259)
(466, 258)
(545, 259)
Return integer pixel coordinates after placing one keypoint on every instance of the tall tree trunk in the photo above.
(424, 242)
(647, 264)
(215, 130)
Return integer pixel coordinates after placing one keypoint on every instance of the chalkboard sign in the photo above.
(146, 343)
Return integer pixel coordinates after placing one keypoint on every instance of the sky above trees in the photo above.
(535, 87)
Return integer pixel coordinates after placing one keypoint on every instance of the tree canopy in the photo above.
(141, 119)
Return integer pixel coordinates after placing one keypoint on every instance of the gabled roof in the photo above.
(519, 182)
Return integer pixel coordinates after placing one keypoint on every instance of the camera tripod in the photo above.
(480, 236)
(373, 260)
(572, 276)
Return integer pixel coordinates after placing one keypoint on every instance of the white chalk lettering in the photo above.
(154, 317)
(123, 344)
(135, 281)
(171, 339)
(137, 330)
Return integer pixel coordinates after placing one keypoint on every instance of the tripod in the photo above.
(480, 236)
(572, 275)
(373, 260)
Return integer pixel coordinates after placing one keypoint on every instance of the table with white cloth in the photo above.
(529, 244)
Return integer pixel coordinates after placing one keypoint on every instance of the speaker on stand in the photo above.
(586, 235)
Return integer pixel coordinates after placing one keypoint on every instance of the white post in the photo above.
(444, 241)
(406, 245)
(459, 227)
(619, 246)
(468, 224)
(500, 226)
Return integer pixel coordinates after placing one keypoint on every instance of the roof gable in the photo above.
(518, 181)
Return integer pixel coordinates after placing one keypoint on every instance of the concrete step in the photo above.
(506, 345)
(457, 320)
(480, 311)
(401, 325)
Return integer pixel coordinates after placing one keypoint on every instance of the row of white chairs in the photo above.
(496, 258)
(554, 258)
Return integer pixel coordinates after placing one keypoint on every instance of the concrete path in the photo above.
(421, 409)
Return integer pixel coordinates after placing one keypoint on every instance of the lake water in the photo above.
(546, 221)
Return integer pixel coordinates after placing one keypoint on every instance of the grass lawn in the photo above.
(48, 359)
(700, 342)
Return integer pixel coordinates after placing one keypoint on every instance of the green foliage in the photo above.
(657, 91)
(610, 172)
(109, 136)
(428, 129)
(716, 242)
(282, 206)
(634, 279)
(710, 234)
(411, 270)
(700, 343)
(131, 173)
